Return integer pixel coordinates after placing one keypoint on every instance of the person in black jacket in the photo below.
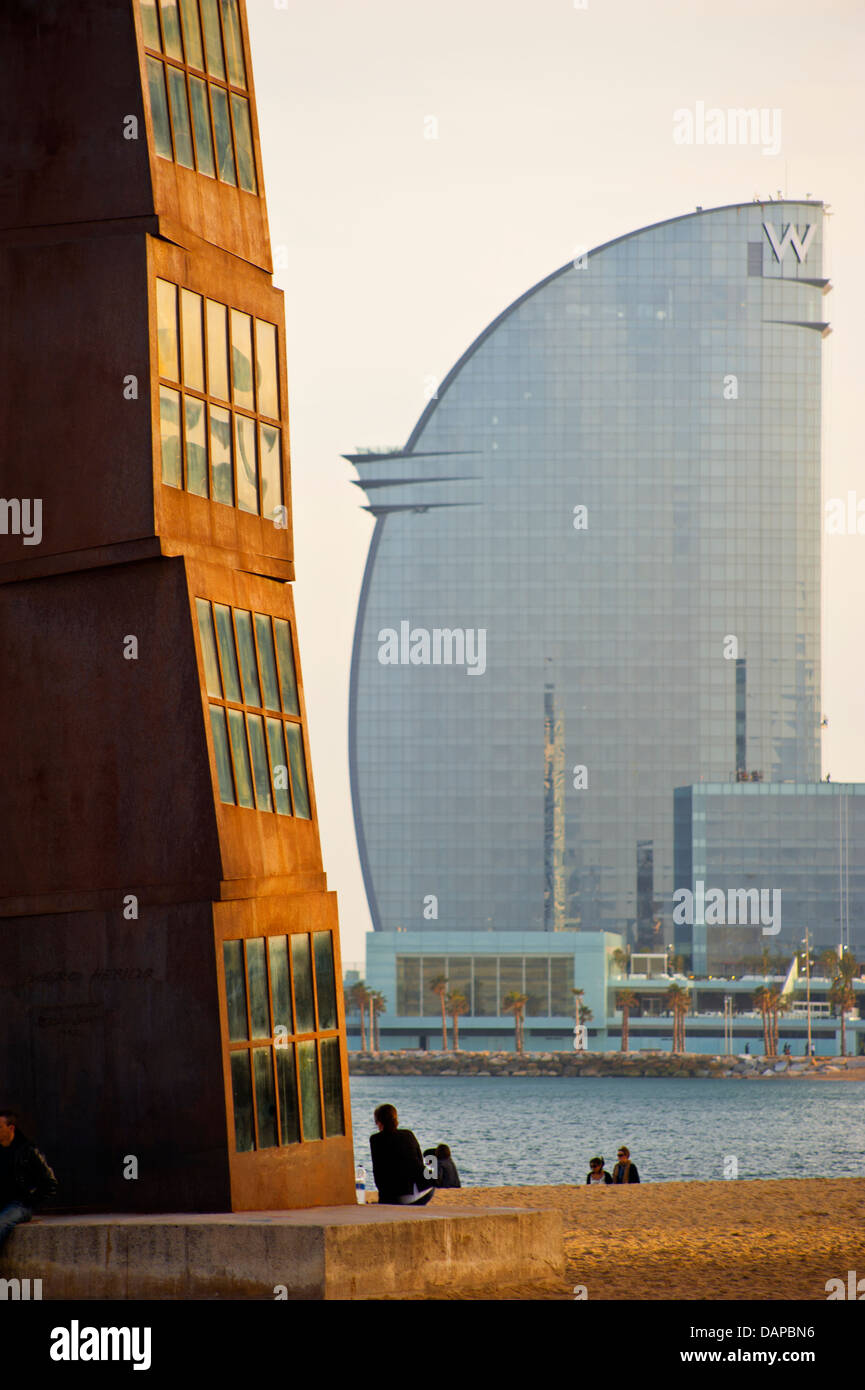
(25, 1177)
(598, 1174)
(625, 1170)
(397, 1163)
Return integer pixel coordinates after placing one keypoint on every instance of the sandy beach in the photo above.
(774, 1240)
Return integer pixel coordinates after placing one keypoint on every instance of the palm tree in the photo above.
(621, 959)
(842, 993)
(626, 1000)
(578, 1009)
(377, 1005)
(679, 1000)
(828, 962)
(439, 986)
(672, 999)
(359, 995)
(778, 1004)
(515, 1003)
(762, 1000)
(457, 1004)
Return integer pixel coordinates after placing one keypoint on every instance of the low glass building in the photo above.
(799, 846)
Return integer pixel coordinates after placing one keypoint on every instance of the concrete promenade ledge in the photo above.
(318, 1253)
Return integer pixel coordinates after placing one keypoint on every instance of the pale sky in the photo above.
(554, 131)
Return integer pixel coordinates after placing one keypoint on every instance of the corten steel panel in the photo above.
(74, 324)
(197, 525)
(229, 217)
(71, 72)
(260, 850)
(80, 320)
(314, 1173)
(111, 1048)
(106, 788)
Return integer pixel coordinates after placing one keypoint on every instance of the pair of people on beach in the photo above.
(404, 1176)
(624, 1170)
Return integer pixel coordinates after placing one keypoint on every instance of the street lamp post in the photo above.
(808, 987)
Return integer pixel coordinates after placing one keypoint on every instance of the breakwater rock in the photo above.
(586, 1064)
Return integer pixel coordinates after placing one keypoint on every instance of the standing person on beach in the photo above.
(397, 1163)
(598, 1173)
(625, 1170)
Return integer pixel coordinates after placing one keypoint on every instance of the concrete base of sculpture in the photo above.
(319, 1253)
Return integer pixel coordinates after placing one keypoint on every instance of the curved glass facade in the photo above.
(594, 578)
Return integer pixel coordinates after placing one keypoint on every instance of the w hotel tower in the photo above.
(171, 1023)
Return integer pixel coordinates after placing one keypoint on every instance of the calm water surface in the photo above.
(513, 1130)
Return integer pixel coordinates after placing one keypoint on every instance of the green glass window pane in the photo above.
(196, 446)
(240, 759)
(246, 647)
(235, 990)
(223, 757)
(304, 1007)
(166, 330)
(280, 986)
(208, 648)
(286, 1081)
(241, 360)
(243, 137)
(150, 25)
(201, 126)
(171, 29)
(220, 455)
(192, 33)
(256, 969)
(263, 799)
(310, 1098)
(331, 1085)
(561, 984)
(169, 429)
(433, 968)
(510, 977)
(159, 108)
(233, 43)
(227, 652)
(246, 481)
(180, 117)
(193, 339)
(265, 1097)
(279, 767)
(486, 973)
(299, 788)
(325, 981)
(212, 38)
(270, 454)
(266, 370)
(537, 986)
(222, 135)
(407, 986)
(267, 660)
(241, 1089)
(287, 677)
(217, 350)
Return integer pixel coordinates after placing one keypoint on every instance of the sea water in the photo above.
(506, 1131)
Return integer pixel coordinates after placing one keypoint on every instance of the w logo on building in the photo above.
(790, 238)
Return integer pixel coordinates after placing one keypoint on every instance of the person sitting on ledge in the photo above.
(397, 1163)
(598, 1173)
(25, 1178)
(625, 1170)
(444, 1169)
